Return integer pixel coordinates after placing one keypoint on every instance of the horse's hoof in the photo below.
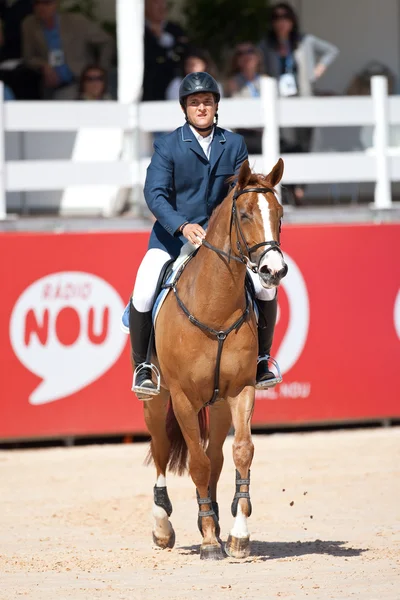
(213, 552)
(237, 547)
(166, 542)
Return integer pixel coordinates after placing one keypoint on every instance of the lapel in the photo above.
(190, 141)
(217, 146)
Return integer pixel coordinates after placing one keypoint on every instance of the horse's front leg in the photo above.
(200, 470)
(220, 423)
(155, 412)
(238, 544)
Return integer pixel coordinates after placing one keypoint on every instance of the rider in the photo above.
(185, 181)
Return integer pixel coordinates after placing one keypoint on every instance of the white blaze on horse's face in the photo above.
(273, 260)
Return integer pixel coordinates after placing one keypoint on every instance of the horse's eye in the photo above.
(244, 216)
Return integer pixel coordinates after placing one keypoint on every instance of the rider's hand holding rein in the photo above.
(194, 233)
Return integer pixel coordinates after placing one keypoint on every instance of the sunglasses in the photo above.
(94, 78)
(244, 52)
(281, 17)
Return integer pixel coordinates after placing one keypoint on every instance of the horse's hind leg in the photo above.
(200, 470)
(238, 544)
(155, 412)
(220, 422)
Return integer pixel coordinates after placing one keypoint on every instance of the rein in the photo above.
(246, 260)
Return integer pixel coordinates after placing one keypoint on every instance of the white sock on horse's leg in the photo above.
(162, 526)
(240, 529)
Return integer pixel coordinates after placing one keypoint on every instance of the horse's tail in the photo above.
(178, 455)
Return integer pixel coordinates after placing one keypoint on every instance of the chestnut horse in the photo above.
(243, 232)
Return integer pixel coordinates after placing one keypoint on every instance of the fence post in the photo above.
(3, 209)
(130, 27)
(270, 137)
(379, 90)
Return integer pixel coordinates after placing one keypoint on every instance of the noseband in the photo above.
(245, 257)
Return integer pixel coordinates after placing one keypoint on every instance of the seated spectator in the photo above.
(60, 46)
(164, 46)
(244, 82)
(195, 61)
(93, 84)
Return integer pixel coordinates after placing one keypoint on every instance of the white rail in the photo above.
(380, 165)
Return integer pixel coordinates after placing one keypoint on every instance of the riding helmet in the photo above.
(196, 83)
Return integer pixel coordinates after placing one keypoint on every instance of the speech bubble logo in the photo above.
(295, 336)
(397, 314)
(65, 329)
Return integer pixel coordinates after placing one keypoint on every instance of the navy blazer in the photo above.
(183, 185)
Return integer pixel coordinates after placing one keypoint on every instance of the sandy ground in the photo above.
(75, 523)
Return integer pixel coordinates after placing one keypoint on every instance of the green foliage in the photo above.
(218, 25)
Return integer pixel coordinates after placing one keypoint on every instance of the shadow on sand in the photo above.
(276, 550)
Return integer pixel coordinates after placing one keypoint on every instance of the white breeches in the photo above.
(149, 272)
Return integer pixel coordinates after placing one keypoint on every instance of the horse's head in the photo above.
(256, 223)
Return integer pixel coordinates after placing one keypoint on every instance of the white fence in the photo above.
(380, 165)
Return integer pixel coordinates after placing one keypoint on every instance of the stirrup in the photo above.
(144, 393)
(269, 383)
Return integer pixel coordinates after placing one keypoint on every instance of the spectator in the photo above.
(195, 61)
(93, 84)
(244, 82)
(60, 46)
(296, 60)
(164, 46)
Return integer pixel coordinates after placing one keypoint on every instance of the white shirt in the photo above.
(205, 142)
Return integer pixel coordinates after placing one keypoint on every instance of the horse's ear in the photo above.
(276, 174)
(244, 174)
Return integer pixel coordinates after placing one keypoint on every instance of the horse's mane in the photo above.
(253, 180)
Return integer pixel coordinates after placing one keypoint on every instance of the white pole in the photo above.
(270, 138)
(3, 208)
(379, 90)
(130, 31)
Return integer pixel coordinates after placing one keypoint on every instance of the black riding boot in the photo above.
(140, 325)
(266, 326)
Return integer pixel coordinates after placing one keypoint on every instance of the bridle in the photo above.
(245, 257)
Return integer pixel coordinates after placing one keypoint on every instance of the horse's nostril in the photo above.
(265, 270)
(283, 272)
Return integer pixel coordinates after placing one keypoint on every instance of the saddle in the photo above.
(172, 270)
(169, 273)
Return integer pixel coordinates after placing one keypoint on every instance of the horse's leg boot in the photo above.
(140, 324)
(266, 325)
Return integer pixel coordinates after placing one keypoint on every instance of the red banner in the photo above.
(65, 367)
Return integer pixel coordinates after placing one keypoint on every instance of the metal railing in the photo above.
(380, 165)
